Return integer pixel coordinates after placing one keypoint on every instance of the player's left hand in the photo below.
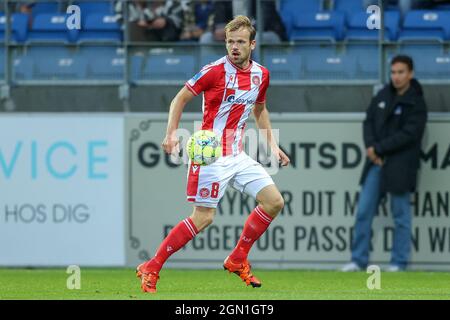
(171, 144)
(282, 157)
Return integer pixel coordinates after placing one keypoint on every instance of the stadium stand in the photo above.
(49, 63)
(167, 64)
(45, 7)
(288, 9)
(105, 7)
(100, 27)
(103, 63)
(51, 27)
(430, 25)
(283, 63)
(329, 42)
(431, 61)
(357, 26)
(319, 26)
(18, 27)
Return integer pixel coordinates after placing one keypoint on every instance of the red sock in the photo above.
(257, 223)
(177, 238)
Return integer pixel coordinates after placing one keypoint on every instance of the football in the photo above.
(204, 148)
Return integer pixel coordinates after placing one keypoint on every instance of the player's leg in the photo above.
(254, 181)
(270, 203)
(203, 191)
(177, 238)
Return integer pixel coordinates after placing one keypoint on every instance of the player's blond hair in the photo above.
(241, 22)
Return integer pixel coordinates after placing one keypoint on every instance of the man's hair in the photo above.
(241, 22)
(404, 59)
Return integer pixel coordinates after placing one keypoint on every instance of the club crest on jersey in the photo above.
(256, 80)
(204, 193)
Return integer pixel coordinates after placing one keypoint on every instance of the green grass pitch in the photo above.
(217, 284)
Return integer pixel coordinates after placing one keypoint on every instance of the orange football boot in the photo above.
(148, 279)
(243, 270)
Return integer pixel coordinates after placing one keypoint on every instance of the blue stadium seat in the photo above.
(367, 58)
(283, 64)
(19, 27)
(50, 63)
(357, 26)
(44, 7)
(48, 27)
(430, 61)
(99, 27)
(289, 9)
(301, 6)
(104, 63)
(425, 25)
(169, 67)
(318, 26)
(324, 63)
(104, 7)
(348, 7)
(22, 67)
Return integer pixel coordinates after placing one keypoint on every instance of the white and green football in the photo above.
(204, 148)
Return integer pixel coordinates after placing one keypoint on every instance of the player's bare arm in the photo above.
(263, 122)
(170, 142)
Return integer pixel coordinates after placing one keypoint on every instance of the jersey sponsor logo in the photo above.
(204, 192)
(230, 95)
(256, 80)
(232, 99)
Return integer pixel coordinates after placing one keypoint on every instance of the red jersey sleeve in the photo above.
(263, 89)
(203, 80)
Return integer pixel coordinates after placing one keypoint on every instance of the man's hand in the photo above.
(374, 157)
(379, 162)
(171, 144)
(158, 23)
(371, 154)
(281, 156)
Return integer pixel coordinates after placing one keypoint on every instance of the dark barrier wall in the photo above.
(341, 98)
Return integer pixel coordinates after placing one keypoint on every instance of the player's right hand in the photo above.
(171, 144)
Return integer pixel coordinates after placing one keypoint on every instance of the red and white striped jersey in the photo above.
(229, 95)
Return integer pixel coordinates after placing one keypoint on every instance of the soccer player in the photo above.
(232, 87)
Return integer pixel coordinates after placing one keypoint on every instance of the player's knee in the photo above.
(273, 206)
(203, 217)
(278, 204)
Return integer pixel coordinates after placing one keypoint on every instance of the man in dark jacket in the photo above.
(393, 130)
